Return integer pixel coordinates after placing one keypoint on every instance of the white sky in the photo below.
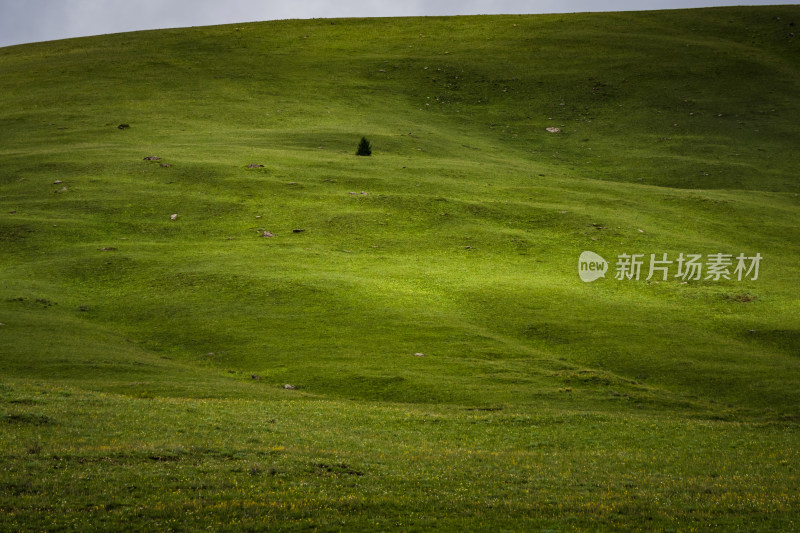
(23, 21)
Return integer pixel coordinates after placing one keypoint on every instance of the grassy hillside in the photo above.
(143, 358)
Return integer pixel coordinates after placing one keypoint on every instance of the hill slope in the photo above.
(458, 239)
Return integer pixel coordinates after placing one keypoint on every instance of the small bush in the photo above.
(364, 148)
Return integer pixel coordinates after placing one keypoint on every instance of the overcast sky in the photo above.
(23, 21)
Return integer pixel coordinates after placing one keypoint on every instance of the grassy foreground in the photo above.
(448, 367)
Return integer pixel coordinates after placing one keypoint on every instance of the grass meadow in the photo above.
(186, 230)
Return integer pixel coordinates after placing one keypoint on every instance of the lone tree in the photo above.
(364, 147)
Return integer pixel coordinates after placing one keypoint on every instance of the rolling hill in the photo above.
(186, 230)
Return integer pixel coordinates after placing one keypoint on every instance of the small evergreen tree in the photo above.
(364, 148)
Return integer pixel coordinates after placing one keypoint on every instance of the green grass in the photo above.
(130, 341)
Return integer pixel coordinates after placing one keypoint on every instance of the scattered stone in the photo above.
(57, 182)
(1, 324)
(12, 212)
(83, 308)
(255, 376)
(124, 126)
(173, 216)
(210, 354)
(298, 230)
(267, 234)
(553, 129)
(289, 387)
(108, 249)
(258, 216)
(165, 165)
(641, 231)
(62, 189)
(255, 165)
(152, 158)
(419, 354)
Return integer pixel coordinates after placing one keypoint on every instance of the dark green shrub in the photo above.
(364, 148)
